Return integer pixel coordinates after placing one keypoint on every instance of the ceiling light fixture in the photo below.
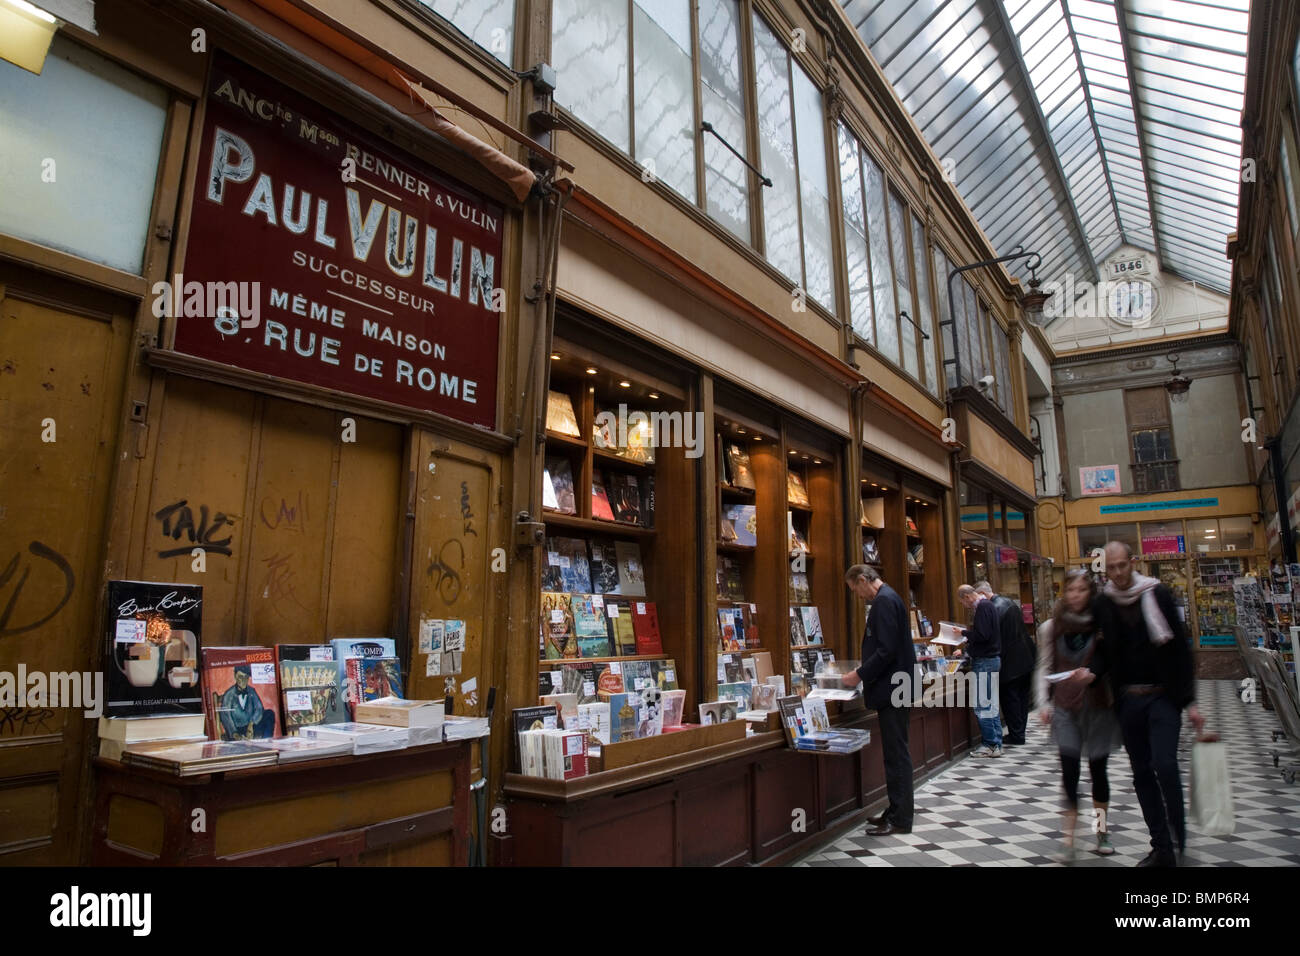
(592, 371)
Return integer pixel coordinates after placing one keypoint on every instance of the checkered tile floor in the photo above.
(1006, 812)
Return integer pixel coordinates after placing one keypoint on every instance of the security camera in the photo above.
(986, 383)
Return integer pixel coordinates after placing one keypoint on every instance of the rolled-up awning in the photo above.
(518, 177)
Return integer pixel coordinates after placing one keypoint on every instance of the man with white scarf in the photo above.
(1149, 663)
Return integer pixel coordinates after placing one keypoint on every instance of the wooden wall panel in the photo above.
(197, 498)
(60, 379)
(784, 781)
(713, 821)
(298, 525)
(289, 527)
(458, 516)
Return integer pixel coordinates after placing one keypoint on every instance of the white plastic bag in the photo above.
(1211, 789)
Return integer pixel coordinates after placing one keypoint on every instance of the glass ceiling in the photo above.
(1077, 126)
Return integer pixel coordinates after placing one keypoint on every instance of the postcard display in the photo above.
(609, 632)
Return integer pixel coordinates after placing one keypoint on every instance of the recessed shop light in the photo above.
(555, 356)
(739, 430)
(592, 371)
(758, 437)
(817, 461)
(804, 457)
(591, 388)
(625, 384)
(654, 395)
(793, 452)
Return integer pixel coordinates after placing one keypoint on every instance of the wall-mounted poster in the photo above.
(151, 658)
(1099, 480)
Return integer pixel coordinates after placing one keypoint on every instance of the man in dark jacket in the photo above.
(1149, 662)
(888, 663)
(1018, 657)
(985, 650)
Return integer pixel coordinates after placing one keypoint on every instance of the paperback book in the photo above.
(570, 556)
(589, 625)
(561, 473)
(796, 491)
(600, 498)
(557, 626)
(559, 415)
(241, 693)
(151, 650)
(311, 694)
(740, 472)
(631, 572)
(604, 566)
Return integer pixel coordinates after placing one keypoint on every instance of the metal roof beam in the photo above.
(1000, 14)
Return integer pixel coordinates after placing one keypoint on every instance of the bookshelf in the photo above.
(618, 506)
(745, 462)
(812, 514)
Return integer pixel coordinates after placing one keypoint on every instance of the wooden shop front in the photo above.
(311, 494)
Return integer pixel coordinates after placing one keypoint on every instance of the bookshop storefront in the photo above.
(311, 458)
(705, 569)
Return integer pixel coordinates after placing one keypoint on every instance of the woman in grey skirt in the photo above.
(1076, 704)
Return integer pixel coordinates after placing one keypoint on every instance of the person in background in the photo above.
(1079, 709)
(985, 648)
(1151, 672)
(1017, 664)
(887, 652)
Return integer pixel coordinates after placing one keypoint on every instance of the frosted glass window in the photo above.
(981, 346)
(902, 253)
(814, 189)
(882, 280)
(489, 23)
(923, 312)
(97, 128)
(776, 149)
(662, 83)
(942, 269)
(1002, 347)
(855, 236)
(722, 99)
(589, 46)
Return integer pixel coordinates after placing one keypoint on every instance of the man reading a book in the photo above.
(887, 657)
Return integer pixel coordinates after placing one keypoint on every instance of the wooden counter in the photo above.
(403, 807)
(732, 804)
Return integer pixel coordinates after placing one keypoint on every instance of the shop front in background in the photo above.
(997, 532)
(1196, 546)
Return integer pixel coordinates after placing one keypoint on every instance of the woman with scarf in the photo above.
(1152, 675)
(1078, 707)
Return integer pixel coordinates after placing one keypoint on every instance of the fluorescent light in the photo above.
(26, 33)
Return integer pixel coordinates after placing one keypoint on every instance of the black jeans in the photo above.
(894, 722)
(1015, 706)
(1150, 725)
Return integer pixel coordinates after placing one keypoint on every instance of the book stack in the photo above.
(845, 741)
(117, 733)
(208, 756)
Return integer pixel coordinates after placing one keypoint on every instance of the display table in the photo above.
(736, 803)
(403, 807)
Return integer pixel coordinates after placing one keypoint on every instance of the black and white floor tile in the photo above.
(1006, 812)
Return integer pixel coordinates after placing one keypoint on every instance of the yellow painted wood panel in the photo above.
(996, 453)
(197, 497)
(287, 821)
(300, 525)
(290, 528)
(367, 522)
(60, 392)
(456, 520)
